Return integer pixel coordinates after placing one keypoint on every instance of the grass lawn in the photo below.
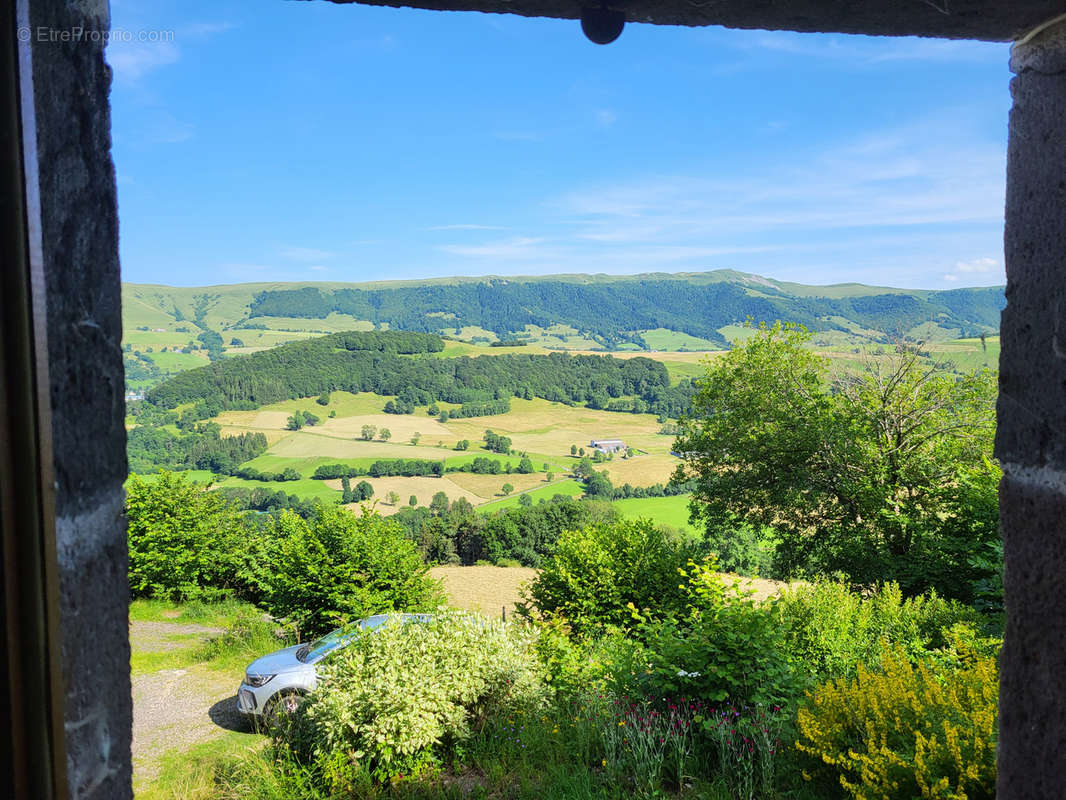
(671, 511)
(968, 354)
(569, 488)
(176, 362)
(664, 339)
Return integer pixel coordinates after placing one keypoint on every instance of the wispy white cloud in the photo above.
(974, 267)
(605, 117)
(889, 206)
(909, 177)
(131, 61)
(869, 50)
(304, 254)
(518, 247)
(466, 227)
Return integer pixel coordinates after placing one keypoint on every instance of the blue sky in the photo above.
(306, 141)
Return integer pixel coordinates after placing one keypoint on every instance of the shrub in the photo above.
(832, 630)
(339, 567)
(723, 647)
(597, 572)
(393, 700)
(906, 731)
(185, 542)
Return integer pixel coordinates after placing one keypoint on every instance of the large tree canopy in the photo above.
(860, 474)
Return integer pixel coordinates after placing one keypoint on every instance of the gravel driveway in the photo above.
(178, 708)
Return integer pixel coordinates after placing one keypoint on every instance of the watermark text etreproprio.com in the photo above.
(43, 33)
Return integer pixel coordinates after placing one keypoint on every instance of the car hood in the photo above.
(284, 660)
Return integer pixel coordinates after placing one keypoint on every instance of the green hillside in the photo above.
(170, 329)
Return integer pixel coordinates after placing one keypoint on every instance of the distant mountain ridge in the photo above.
(607, 311)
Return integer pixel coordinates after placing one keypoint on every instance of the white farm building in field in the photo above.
(607, 445)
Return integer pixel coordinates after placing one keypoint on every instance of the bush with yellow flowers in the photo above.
(907, 730)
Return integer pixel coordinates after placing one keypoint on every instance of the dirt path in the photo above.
(178, 708)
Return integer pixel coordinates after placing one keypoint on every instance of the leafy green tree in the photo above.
(598, 484)
(393, 498)
(438, 505)
(338, 567)
(415, 437)
(323, 399)
(385, 434)
(368, 432)
(850, 474)
(573, 449)
(525, 500)
(295, 422)
(186, 542)
(346, 491)
(525, 466)
(462, 444)
(596, 572)
(506, 489)
(363, 490)
(549, 476)
(310, 419)
(412, 501)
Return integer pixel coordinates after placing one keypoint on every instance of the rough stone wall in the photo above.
(993, 20)
(79, 227)
(1031, 441)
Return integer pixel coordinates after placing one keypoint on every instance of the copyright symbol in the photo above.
(23, 34)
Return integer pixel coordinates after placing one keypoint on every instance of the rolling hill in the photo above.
(170, 329)
(568, 311)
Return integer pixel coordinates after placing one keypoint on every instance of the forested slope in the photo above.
(403, 364)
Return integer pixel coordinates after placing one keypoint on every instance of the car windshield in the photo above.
(338, 638)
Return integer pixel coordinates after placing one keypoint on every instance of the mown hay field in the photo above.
(544, 430)
(483, 589)
(488, 590)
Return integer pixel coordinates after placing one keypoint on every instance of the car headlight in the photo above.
(257, 680)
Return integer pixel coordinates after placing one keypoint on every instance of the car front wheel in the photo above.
(282, 704)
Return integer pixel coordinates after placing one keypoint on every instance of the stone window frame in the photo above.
(61, 432)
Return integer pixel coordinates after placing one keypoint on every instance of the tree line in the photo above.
(152, 448)
(381, 362)
(612, 311)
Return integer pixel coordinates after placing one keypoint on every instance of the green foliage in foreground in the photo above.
(189, 543)
(389, 699)
(184, 542)
(598, 573)
(339, 567)
(831, 631)
(906, 730)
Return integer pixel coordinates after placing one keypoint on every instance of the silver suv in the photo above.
(277, 682)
